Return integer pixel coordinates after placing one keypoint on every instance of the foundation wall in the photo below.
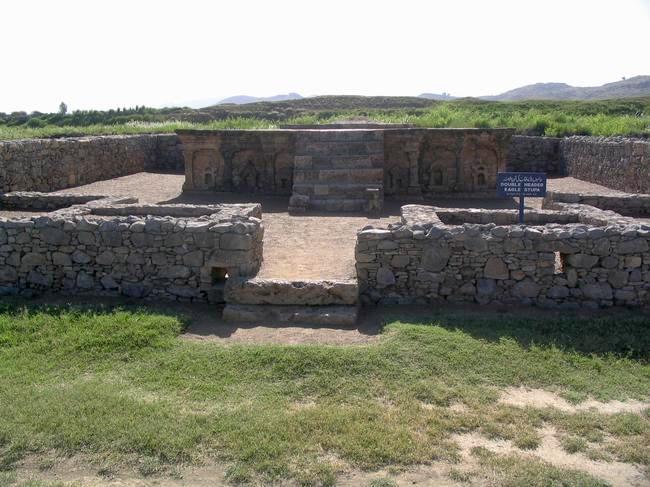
(415, 161)
(83, 249)
(570, 265)
(534, 154)
(54, 164)
(616, 162)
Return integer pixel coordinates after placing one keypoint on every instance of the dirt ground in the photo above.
(311, 246)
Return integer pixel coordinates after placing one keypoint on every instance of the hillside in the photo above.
(637, 86)
(333, 102)
(245, 99)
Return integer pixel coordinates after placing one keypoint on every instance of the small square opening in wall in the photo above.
(219, 275)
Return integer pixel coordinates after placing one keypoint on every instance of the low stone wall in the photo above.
(534, 154)
(635, 205)
(54, 164)
(168, 154)
(616, 162)
(176, 256)
(423, 260)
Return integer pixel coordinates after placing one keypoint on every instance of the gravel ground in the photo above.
(301, 247)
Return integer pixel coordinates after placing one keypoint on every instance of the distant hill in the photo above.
(332, 102)
(244, 99)
(632, 87)
(437, 96)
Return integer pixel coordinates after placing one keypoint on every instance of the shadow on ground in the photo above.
(611, 331)
(280, 204)
(624, 332)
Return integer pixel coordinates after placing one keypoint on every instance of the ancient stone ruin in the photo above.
(577, 250)
(345, 169)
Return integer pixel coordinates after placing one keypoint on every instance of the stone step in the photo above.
(298, 315)
(346, 162)
(325, 191)
(347, 204)
(344, 148)
(339, 136)
(337, 176)
(291, 292)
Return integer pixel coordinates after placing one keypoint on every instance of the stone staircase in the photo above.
(338, 170)
(313, 302)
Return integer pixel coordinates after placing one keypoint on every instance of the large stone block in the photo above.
(496, 268)
(283, 292)
(233, 241)
(435, 257)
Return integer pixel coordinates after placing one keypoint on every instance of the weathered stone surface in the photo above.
(496, 268)
(558, 292)
(85, 281)
(232, 241)
(32, 259)
(80, 257)
(600, 160)
(105, 258)
(8, 274)
(597, 291)
(108, 282)
(617, 279)
(175, 272)
(313, 315)
(526, 289)
(282, 292)
(135, 289)
(637, 245)
(516, 264)
(54, 236)
(582, 260)
(194, 259)
(435, 257)
(54, 164)
(59, 258)
(385, 277)
(70, 251)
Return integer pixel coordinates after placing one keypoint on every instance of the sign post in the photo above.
(521, 184)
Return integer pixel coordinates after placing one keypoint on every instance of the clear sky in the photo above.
(104, 54)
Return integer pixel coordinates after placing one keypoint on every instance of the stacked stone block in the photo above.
(75, 250)
(319, 302)
(534, 154)
(334, 169)
(423, 260)
(54, 164)
(616, 162)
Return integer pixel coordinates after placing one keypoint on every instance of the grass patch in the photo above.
(118, 382)
(573, 444)
(551, 118)
(515, 471)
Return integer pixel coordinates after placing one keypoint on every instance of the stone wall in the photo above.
(54, 164)
(416, 162)
(616, 162)
(534, 154)
(186, 253)
(635, 205)
(423, 260)
(430, 162)
(251, 161)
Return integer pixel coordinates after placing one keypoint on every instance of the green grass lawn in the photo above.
(120, 385)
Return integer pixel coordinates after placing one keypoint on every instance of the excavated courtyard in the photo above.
(311, 246)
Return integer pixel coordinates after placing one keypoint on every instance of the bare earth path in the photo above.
(300, 247)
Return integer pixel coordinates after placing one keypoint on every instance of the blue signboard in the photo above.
(521, 184)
